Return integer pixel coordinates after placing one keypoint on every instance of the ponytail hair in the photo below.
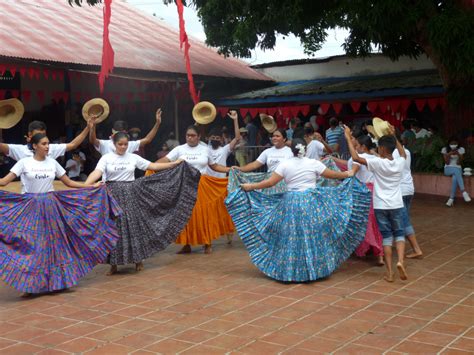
(366, 141)
(119, 135)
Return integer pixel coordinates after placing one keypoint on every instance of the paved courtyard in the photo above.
(200, 304)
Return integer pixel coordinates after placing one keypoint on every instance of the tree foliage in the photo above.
(442, 29)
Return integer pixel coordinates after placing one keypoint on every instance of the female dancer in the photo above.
(49, 240)
(209, 219)
(307, 232)
(155, 209)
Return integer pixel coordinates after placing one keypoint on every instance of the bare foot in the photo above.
(207, 249)
(388, 277)
(380, 261)
(113, 270)
(414, 256)
(402, 271)
(139, 266)
(185, 250)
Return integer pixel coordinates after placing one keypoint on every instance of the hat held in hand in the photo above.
(11, 112)
(96, 107)
(381, 127)
(268, 122)
(204, 112)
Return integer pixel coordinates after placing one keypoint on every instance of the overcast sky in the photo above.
(285, 49)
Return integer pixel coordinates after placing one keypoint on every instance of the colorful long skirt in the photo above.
(301, 236)
(48, 241)
(373, 238)
(236, 178)
(209, 219)
(156, 208)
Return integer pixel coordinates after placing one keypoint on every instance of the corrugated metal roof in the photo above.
(340, 85)
(51, 30)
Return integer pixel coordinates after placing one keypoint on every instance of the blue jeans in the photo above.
(391, 225)
(456, 173)
(409, 230)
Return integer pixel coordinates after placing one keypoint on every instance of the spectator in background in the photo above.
(333, 134)
(419, 131)
(73, 166)
(408, 136)
(291, 129)
(163, 152)
(252, 131)
(172, 142)
(226, 138)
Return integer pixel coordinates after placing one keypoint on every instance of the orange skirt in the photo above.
(209, 219)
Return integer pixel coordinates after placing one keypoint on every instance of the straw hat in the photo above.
(204, 112)
(96, 107)
(11, 112)
(268, 123)
(381, 127)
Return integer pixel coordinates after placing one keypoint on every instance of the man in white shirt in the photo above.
(419, 131)
(104, 146)
(219, 153)
(387, 199)
(20, 151)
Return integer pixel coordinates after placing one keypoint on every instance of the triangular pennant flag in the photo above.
(15, 93)
(253, 112)
(355, 105)
(420, 104)
(12, 70)
(61, 75)
(433, 103)
(40, 95)
(3, 68)
(26, 96)
(324, 108)
(37, 73)
(372, 106)
(2, 94)
(244, 111)
(337, 107)
(223, 111)
(304, 110)
(22, 71)
(46, 73)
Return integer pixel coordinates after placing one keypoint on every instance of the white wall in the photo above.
(346, 67)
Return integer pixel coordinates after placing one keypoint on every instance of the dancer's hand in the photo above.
(178, 161)
(233, 114)
(347, 132)
(98, 184)
(246, 187)
(158, 116)
(350, 173)
(235, 167)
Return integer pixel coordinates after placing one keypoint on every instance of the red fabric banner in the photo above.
(77, 96)
(304, 110)
(373, 106)
(244, 111)
(2, 94)
(253, 112)
(40, 95)
(12, 70)
(46, 73)
(324, 108)
(22, 71)
(3, 68)
(183, 39)
(420, 104)
(404, 104)
(433, 103)
(223, 111)
(337, 107)
(107, 50)
(15, 93)
(26, 96)
(355, 105)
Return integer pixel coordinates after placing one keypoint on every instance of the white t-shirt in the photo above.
(75, 170)
(315, 150)
(363, 174)
(453, 159)
(37, 176)
(387, 179)
(422, 133)
(107, 146)
(198, 156)
(20, 151)
(300, 173)
(273, 156)
(407, 185)
(117, 167)
(218, 156)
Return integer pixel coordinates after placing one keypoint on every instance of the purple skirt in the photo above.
(48, 241)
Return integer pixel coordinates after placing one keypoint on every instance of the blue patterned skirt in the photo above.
(48, 241)
(236, 178)
(301, 236)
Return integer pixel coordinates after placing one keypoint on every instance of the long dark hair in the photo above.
(452, 139)
(283, 133)
(35, 140)
(119, 135)
(296, 142)
(366, 141)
